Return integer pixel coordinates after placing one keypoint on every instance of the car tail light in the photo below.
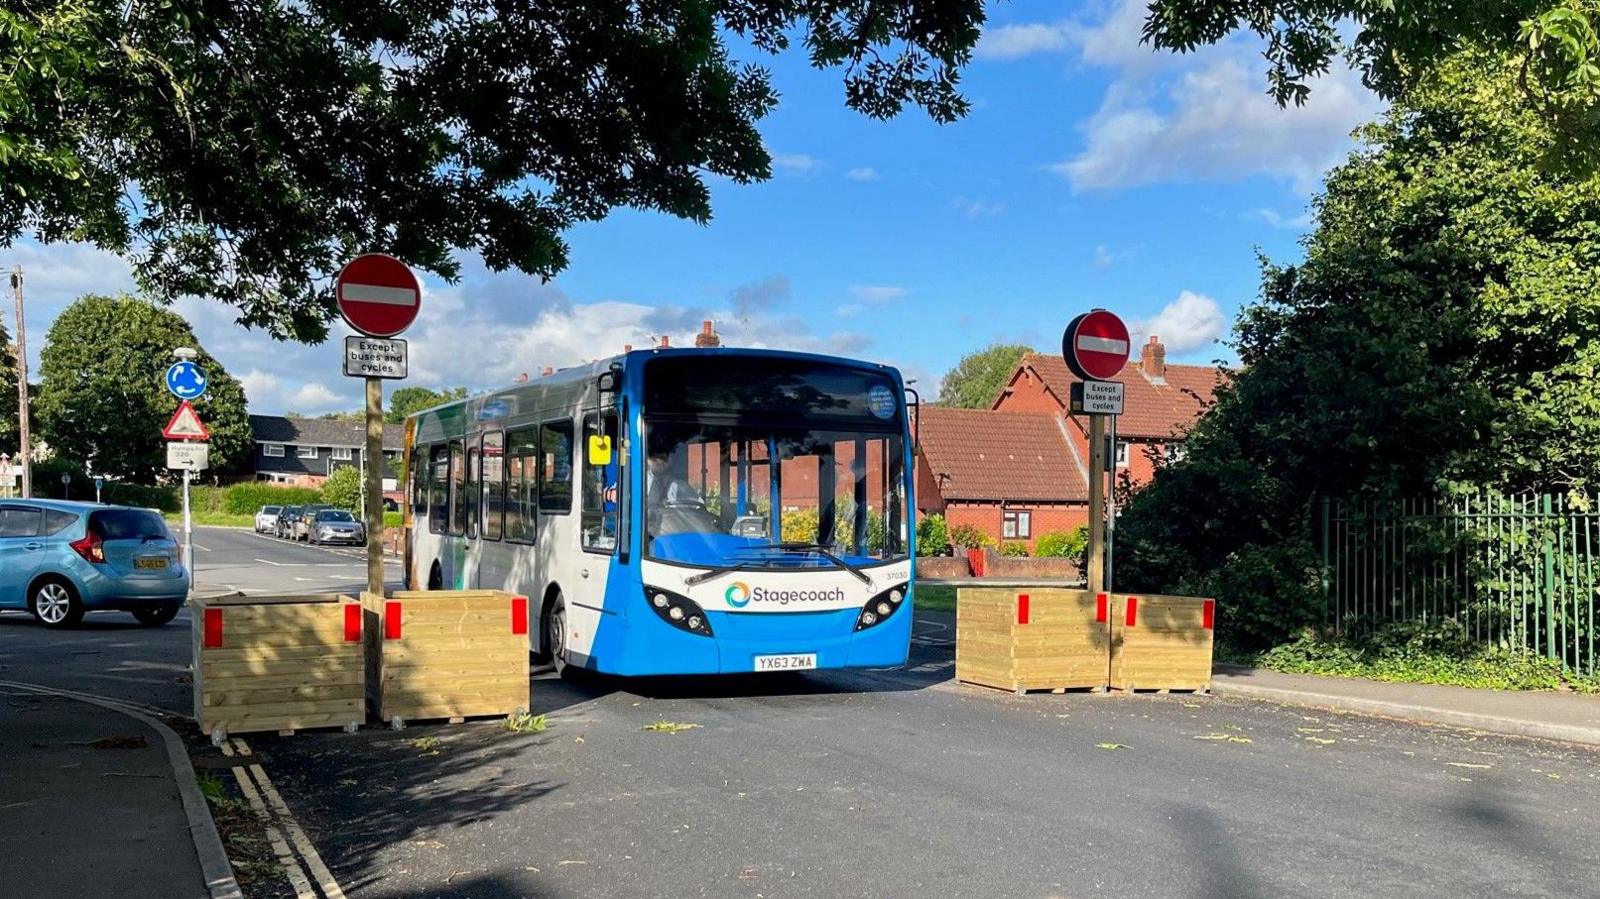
(90, 548)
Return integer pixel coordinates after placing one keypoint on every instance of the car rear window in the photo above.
(127, 524)
(271, 510)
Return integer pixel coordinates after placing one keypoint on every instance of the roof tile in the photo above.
(979, 454)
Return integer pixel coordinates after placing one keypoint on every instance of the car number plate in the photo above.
(150, 563)
(792, 662)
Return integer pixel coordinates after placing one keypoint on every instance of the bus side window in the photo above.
(438, 491)
(493, 484)
(458, 489)
(555, 467)
(522, 452)
(474, 489)
(601, 485)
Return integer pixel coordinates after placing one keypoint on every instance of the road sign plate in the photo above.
(378, 295)
(1097, 397)
(1096, 345)
(373, 357)
(191, 456)
(185, 425)
(186, 381)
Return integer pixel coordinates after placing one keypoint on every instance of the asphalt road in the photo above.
(896, 783)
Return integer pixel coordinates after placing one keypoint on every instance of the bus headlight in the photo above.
(681, 612)
(881, 607)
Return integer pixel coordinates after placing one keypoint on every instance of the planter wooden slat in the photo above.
(458, 654)
(1061, 642)
(1165, 645)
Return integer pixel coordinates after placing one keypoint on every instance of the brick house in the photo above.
(304, 451)
(1020, 469)
(1012, 475)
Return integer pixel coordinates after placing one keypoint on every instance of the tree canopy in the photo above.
(244, 151)
(407, 400)
(976, 380)
(102, 394)
(1440, 334)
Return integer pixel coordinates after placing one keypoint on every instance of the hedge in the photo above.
(245, 499)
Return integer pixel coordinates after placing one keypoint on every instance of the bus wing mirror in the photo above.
(607, 382)
(599, 450)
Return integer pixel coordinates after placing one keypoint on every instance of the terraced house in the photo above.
(304, 451)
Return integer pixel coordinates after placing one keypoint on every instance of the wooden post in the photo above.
(374, 486)
(1097, 504)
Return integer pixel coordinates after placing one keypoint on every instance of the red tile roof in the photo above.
(979, 454)
(1151, 409)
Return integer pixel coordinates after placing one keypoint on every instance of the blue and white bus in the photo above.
(679, 511)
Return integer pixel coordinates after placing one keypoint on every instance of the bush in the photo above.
(967, 536)
(393, 519)
(933, 536)
(1062, 544)
(1014, 548)
(343, 488)
(245, 499)
(799, 526)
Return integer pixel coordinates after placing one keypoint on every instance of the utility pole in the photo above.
(24, 444)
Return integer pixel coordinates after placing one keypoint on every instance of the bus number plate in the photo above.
(793, 662)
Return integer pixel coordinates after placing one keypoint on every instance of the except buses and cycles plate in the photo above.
(792, 662)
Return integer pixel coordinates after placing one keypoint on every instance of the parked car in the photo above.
(267, 518)
(302, 525)
(284, 527)
(335, 526)
(60, 559)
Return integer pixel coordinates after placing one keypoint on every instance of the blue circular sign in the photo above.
(880, 400)
(186, 381)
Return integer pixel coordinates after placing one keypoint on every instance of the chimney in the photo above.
(627, 348)
(547, 371)
(665, 342)
(1153, 360)
(707, 337)
(522, 378)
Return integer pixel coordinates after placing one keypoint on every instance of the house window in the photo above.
(307, 452)
(1122, 455)
(1016, 524)
(341, 453)
(272, 450)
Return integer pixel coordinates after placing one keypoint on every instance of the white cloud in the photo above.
(1027, 39)
(849, 310)
(1203, 116)
(883, 294)
(1188, 323)
(1278, 220)
(1103, 257)
(795, 163)
(313, 398)
(862, 173)
(978, 208)
(259, 386)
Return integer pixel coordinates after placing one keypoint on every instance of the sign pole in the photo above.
(373, 458)
(1097, 504)
(188, 533)
(24, 442)
(1111, 509)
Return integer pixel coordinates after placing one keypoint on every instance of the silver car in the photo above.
(335, 526)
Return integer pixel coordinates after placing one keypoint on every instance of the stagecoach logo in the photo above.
(738, 595)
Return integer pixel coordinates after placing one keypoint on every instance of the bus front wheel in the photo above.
(554, 630)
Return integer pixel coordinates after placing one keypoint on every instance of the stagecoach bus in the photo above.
(679, 511)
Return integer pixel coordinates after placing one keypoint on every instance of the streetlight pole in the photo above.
(25, 446)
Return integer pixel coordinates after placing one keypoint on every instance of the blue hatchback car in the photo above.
(61, 559)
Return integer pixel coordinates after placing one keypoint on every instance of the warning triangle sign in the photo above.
(185, 425)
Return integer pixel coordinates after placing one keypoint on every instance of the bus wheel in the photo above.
(436, 578)
(555, 634)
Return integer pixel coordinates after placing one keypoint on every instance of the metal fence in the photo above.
(1515, 571)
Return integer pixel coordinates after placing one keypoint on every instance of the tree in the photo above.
(102, 394)
(245, 150)
(977, 379)
(343, 487)
(408, 400)
(1440, 334)
(1554, 45)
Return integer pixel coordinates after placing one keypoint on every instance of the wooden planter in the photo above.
(1031, 638)
(277, 663)
(1161, 642)
(451, 654)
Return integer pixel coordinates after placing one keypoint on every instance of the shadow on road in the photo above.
(1218, 873)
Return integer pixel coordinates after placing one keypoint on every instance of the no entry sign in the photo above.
(1095, 345)
(378, 295)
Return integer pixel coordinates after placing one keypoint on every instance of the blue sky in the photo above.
(1091, 172)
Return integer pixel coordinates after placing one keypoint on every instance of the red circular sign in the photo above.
(378, 295)
(1096, 345)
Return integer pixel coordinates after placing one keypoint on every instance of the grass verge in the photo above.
(254, 865)
(936, 597)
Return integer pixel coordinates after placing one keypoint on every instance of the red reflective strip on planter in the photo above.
(213, 629)
(519, 615)
(1101, 612)
(1022, 608)
(391, 621)
(1133, 611)
(1209, 615)
(352, 623)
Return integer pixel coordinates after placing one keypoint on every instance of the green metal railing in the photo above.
(1515, 571)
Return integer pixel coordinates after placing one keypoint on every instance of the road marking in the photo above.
(280, 848)
(204, 549)
(325, 879)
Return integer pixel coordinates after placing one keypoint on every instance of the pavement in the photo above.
(866, 783)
